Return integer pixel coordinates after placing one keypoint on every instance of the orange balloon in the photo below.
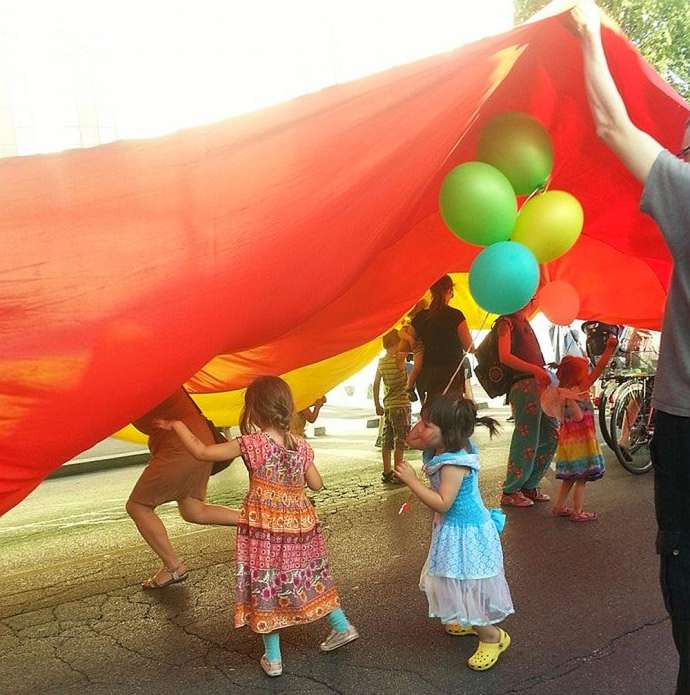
(559, 302)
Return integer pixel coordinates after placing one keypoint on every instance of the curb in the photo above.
(100, 463)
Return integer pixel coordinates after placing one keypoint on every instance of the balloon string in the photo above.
(466, 355)
(405, 506)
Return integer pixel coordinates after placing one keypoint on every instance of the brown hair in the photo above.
(390, 339)
(438, 289)
(571, 371)
(268, 403)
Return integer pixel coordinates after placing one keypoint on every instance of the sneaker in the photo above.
(271, 668)
(338, 639)
(535, 495)
(516, 499)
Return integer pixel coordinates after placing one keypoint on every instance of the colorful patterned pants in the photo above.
(534, 440)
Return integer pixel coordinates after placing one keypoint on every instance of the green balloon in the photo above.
(478, 204)
(520, 147)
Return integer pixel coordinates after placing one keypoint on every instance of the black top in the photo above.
(438, 331)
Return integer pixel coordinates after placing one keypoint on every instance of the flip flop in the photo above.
(583, 516)
(563, 511)
(175, 578)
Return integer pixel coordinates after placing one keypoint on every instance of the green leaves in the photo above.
(659, 29)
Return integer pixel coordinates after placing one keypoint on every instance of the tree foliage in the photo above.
(659, 28)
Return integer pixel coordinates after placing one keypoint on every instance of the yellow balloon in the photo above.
(549, 224)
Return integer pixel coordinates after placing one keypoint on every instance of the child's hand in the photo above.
(611, 342)
(163, 424)
(404, 472)
(379, 410)
(543, 379)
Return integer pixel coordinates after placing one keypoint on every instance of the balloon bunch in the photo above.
(478, 203)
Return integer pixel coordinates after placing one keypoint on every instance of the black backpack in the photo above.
(495, 378)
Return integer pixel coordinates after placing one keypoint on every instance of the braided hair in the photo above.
(268, 403)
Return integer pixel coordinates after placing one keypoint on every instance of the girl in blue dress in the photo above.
(463, 576)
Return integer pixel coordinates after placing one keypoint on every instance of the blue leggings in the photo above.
(337, 619)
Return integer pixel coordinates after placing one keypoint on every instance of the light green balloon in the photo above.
(520, 147)
(549, 224)
(478, 204)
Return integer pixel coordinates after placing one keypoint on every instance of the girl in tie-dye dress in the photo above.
(578, 458)
(283, 577)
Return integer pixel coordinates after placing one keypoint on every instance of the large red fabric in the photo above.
(287, 236)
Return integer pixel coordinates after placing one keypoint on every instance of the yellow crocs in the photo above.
(459, 630)
(487, 653)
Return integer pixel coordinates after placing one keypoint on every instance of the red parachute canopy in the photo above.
(287, 236)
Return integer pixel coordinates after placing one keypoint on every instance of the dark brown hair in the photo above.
(268, 403)
(456, 417)
(438, 289)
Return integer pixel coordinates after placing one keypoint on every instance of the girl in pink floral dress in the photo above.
(283, 576)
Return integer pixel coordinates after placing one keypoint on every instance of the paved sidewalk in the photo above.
(73, 618)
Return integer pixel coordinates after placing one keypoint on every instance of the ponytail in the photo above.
(438, 290)
(490, 424)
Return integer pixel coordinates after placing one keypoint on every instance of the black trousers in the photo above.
(433, 380)
(671, 457)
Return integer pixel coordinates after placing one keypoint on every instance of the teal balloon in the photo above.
(504, 277)
(478, 204)
(520, 147)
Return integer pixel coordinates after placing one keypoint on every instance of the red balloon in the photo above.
(559, 302)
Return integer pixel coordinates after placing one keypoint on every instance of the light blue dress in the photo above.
(463, 576)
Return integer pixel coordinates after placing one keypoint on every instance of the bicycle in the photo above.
(631, 426)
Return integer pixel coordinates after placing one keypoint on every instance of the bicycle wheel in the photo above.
(605, 403)
(631, 422)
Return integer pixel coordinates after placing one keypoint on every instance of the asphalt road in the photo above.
(73, 619)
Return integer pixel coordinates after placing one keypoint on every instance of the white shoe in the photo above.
(271, 668)
(338, 639)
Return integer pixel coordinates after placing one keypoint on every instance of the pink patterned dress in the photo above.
(283, 576)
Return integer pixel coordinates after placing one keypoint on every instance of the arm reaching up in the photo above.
(636, 149)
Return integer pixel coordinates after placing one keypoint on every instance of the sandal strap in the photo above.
(175, 573)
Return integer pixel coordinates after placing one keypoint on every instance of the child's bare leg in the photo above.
(488, 633)
(197, 512)
(579, 496)
(563, 493)
(399, 452)
(386, 456)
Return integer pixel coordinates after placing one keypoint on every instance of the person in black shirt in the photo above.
(442, 337)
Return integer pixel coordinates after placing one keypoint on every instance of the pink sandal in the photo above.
(583, 516)
(563, 511)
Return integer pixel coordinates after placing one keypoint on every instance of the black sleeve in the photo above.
(458, 316)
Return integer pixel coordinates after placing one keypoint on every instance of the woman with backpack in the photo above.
(535, 437)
